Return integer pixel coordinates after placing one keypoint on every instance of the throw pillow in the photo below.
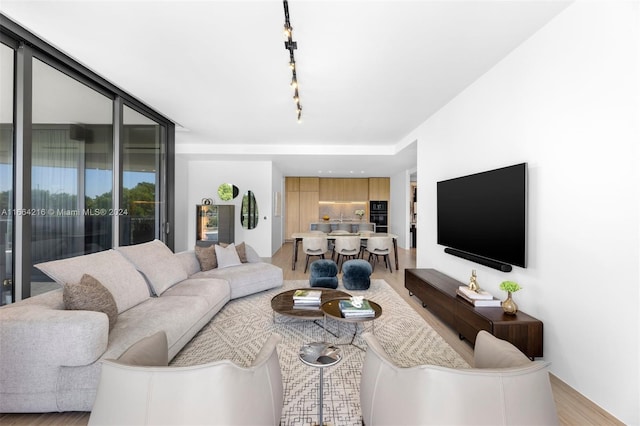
(241, 249)
(242, 252)
(151, 351)
(110, 267)
(227, 256)
(206, 257)
(158, 264)
(90, 295)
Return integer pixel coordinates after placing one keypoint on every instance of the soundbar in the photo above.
(500, 266)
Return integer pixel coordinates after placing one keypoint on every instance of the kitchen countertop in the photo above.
(337, 221)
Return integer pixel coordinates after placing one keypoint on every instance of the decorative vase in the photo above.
(509, 306)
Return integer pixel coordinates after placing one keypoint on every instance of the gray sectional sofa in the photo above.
(50, 357)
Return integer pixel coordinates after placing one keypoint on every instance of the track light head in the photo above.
(291, 46)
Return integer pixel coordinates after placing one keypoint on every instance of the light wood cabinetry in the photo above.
(292, 213)
(308, 209)
(356, 190)
(331, 189)
(344, 189)
(303, 195)
(309, 184)
(379, 189)
(292, 184)
(301, 204)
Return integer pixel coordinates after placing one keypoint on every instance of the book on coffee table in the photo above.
(350, 311)
(307, 297)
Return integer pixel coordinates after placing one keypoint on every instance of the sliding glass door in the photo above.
(6, 173)
(84, 166)
(72, 169)
(142, 172)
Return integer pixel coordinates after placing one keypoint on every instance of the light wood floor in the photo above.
(573, 408)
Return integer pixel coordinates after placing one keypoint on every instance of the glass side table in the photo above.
(320, 355)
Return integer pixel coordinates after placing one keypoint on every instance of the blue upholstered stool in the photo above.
(356, 274)
(324, 274)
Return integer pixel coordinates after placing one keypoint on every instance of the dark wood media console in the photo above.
(437, 292)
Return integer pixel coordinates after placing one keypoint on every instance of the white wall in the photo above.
(182, 207)
(399, 220)
(202, 181)
(277, 228)
(567, 103)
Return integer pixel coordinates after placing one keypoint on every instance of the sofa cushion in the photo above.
(246, 278)
(207, 257)
(151, 351)
(110, 268)
(158, 264)
(212, 290)
(227, 256)
(189, 261)
(252, 255)
(90, 295)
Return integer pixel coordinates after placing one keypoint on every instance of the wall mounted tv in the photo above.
(482, 217)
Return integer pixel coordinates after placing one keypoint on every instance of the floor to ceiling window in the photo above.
(71, 168)
(142, 159)
(6, 173)
(89, 163)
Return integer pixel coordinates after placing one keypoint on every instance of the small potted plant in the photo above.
(508, 305)
(359, 213)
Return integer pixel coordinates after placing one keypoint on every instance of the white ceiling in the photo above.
(369, 71)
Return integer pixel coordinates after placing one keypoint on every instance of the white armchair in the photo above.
(217, 393)
(504, 388)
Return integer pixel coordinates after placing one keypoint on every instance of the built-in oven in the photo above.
(378, 215)
(378, 207)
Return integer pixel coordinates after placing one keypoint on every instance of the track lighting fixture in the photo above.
(292, 45)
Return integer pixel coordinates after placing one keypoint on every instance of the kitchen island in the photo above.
(313, 226)
(298, 236)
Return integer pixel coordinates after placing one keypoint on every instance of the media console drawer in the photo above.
(438, 297)
(437, 292)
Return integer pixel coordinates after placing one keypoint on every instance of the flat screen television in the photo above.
(482, 217)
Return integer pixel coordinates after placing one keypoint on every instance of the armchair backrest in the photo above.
(434, 395)
(217, 393)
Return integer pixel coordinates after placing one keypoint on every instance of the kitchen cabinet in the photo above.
(356, 190)
(308, 209)
(379, 188)
(344, 189)
(301, 204)
(292, 213)
(309, 184)
(331, 189)
(292, 184)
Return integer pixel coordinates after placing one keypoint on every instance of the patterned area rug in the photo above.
(238, 331)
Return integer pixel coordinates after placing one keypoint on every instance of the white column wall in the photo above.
(567, 103)
(202, 181)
